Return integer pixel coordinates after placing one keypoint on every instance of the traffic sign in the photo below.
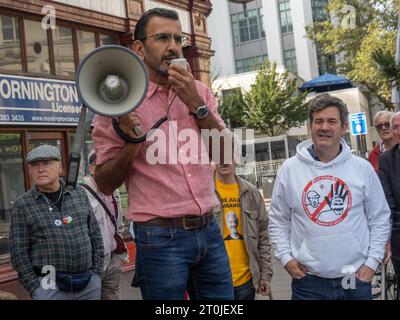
(358, 123)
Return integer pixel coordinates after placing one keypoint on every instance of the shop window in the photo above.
(63, 51)
(86, 43)
(10, 45)
(37, 48)
(11, 182)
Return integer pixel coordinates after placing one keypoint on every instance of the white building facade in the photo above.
(273, 29)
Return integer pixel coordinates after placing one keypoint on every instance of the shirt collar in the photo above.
(313, 154)
(37, 193)
(153, 87)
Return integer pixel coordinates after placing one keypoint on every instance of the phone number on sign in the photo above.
(13, 117)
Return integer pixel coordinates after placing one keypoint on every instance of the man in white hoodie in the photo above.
(329, 219)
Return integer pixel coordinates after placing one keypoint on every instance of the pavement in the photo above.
(280, 285)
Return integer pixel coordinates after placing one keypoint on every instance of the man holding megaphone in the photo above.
(179, 245)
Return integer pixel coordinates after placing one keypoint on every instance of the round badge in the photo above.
(67, 220)
(57, 223)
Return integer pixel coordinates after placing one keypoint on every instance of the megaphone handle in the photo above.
(140, 139)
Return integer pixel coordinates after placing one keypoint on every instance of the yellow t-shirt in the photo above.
(233, 232)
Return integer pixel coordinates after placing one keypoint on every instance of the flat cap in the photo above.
(44, 152)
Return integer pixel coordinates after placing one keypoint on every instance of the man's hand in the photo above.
(264, 287)
(388, 252)
(365, 273)
(183, 82)
(296, 269)
(130, 124)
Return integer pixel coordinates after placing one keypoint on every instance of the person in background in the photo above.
(382, 125)
(345, 227)
(109, 215)
(244, 225)
(54, 230)
(389, 174)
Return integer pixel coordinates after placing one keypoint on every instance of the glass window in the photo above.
(326, 63)
(63, 51)
(278, 150)
(290, 60)
(250, 64)
(239, 68)
(86, 43)
(247, 28)
(262, 151)
(10, 45)
(286, 18)
(106, 39)
(11, 182)
(319, 10)
(235, 29)
(262, 23)
(253, 24)
(243, 28)
(37, 48)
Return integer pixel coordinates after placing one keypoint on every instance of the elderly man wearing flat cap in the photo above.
(55, 241)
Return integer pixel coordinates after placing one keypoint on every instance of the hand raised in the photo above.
(183, 82)
(130, 124)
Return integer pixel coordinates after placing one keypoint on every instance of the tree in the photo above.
(388, 66)
(357, 29)
(231, 107)
(273, 104)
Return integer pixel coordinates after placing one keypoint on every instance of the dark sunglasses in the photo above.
(385, 125)
(166, 38)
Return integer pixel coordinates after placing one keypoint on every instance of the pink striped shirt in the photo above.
(162, 190)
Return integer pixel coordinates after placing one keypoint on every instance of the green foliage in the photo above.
(387, 65)
(272, 105)
(231, 108)
(353, 35)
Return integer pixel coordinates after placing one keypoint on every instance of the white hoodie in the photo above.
(329, 233)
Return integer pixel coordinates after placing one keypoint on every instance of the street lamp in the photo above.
(244, 2)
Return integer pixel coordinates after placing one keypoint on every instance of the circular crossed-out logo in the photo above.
(326, 200)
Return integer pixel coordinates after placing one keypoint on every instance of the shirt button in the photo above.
(189, 175)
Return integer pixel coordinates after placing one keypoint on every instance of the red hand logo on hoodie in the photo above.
(335, 205)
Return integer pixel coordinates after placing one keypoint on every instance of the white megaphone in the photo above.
(111, 81)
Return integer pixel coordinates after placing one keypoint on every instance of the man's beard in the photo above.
(163, 70)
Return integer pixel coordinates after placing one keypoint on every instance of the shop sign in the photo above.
(36, 101)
